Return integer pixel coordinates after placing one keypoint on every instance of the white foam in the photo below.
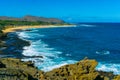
(33, 59)
(87, 25)
(39, 48)
(29, 35)
(68, 54)
(51, 58)
(50, 64)
(103, 52)
(115, 68)
(50, 55)
(22, 35)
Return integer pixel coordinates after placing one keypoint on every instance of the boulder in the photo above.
(14, 69)
(83, 70)
(117, 77)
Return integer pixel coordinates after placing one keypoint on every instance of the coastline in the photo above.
(13, 45)
(58, 69)
(11, 29)
(12, 69)
(15, 28)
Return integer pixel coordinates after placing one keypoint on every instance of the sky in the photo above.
(61, 8)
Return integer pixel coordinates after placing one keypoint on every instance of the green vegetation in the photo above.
(4, 23)
(14, 23)
(2, 35)
(21, 23)
(1, 28)
(28, 20)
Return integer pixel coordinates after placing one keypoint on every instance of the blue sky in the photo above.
(61, 8)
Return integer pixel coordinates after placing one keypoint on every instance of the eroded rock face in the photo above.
(83, 70)
(2, 65)
(14, 69)
(117, 77)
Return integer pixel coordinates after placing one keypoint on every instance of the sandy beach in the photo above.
(15, 28)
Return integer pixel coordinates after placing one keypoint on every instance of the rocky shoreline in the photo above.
(14, 69)
(13, 46)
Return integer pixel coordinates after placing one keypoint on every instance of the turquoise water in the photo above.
(61, 46)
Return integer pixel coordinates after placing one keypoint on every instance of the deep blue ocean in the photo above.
(61, 46)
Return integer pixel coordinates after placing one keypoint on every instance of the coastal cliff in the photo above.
(13, 69)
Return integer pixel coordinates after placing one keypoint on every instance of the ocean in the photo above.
(61, 46)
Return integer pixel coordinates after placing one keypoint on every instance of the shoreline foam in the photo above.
(45, 63)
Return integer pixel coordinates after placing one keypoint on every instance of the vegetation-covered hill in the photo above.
(30, 18)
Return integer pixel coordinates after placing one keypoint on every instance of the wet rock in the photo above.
(33, 56)
(28, 30)
(14, 45)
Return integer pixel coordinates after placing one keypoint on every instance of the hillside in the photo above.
(30, 18)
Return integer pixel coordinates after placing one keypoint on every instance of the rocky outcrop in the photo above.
(83, 70)
(14, 69)
(13, 46)
(117, 77)
(2, 42)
